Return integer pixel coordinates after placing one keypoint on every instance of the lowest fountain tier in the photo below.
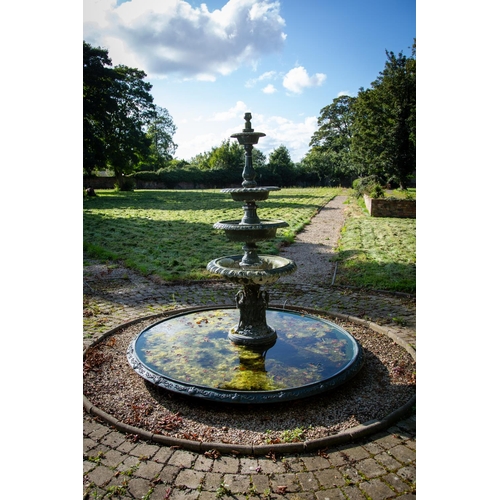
(190, 354)
(268, 269)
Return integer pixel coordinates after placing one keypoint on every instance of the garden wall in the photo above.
(381, 207)
(99, 182)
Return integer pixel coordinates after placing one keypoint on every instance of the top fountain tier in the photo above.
(247, 135)
(247, 138)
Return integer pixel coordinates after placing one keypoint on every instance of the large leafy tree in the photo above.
(329, 157)
(384, 129)
(120, 121)
(98, 106)
(127, 140)
(281, 166)
(319, 164)
(335, 126)
(222, 165)
(228, 156)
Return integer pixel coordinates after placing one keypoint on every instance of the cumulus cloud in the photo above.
(297, 79)
(172, 37)
(269, 89)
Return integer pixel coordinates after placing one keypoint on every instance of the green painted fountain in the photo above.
(233, 354)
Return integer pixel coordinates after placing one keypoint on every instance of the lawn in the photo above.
(169, 233)
(377, 252)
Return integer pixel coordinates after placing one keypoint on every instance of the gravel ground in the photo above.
(313, 247)
(385, 383)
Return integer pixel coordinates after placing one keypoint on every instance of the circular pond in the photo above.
(191, 354)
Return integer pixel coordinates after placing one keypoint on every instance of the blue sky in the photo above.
(210, 62)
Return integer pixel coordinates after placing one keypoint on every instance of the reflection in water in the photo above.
(193, 348)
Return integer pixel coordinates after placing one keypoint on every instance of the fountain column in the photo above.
(251, 269)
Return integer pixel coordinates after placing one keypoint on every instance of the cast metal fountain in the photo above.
(233, 354)
(251, 269)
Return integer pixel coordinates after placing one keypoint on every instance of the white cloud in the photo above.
(172, 37)
(297, 79)
(193, 137)
(294, 135)
(239, 109)
(269, 89)
(344, 92)
(192, 145)
(265, 76)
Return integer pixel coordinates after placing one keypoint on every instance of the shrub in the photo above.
(125, 184)
(368, 185)
(377, 191)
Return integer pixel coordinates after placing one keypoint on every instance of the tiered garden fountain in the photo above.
(233, 354)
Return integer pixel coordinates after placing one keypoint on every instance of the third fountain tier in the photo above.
(251, 269)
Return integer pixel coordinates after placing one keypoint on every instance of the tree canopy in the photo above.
(121, 125)
(384, 129)
(372, 134)
(329, 156)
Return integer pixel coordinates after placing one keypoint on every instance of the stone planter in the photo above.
(382, 207)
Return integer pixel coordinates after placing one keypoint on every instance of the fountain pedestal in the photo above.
(252, 328)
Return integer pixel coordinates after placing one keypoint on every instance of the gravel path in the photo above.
(313, 247)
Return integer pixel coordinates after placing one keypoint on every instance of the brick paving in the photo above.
(378, 467)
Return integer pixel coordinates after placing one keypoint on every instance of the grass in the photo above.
(377, 253)
(169, 233)
(408, 194)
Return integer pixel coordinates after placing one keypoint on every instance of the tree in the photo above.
(281, 166)
(258, 159)
(127, 141)
(335, 126)
(228, 156)
(98, 106)
(384, 129)
(121, 125)
(330, 154)
(321, 164)
(160, 131)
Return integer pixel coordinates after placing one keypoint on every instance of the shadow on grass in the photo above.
(355, 270)
(189, 200)
(172, 249)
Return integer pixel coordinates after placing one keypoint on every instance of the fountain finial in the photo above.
(248, 125)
